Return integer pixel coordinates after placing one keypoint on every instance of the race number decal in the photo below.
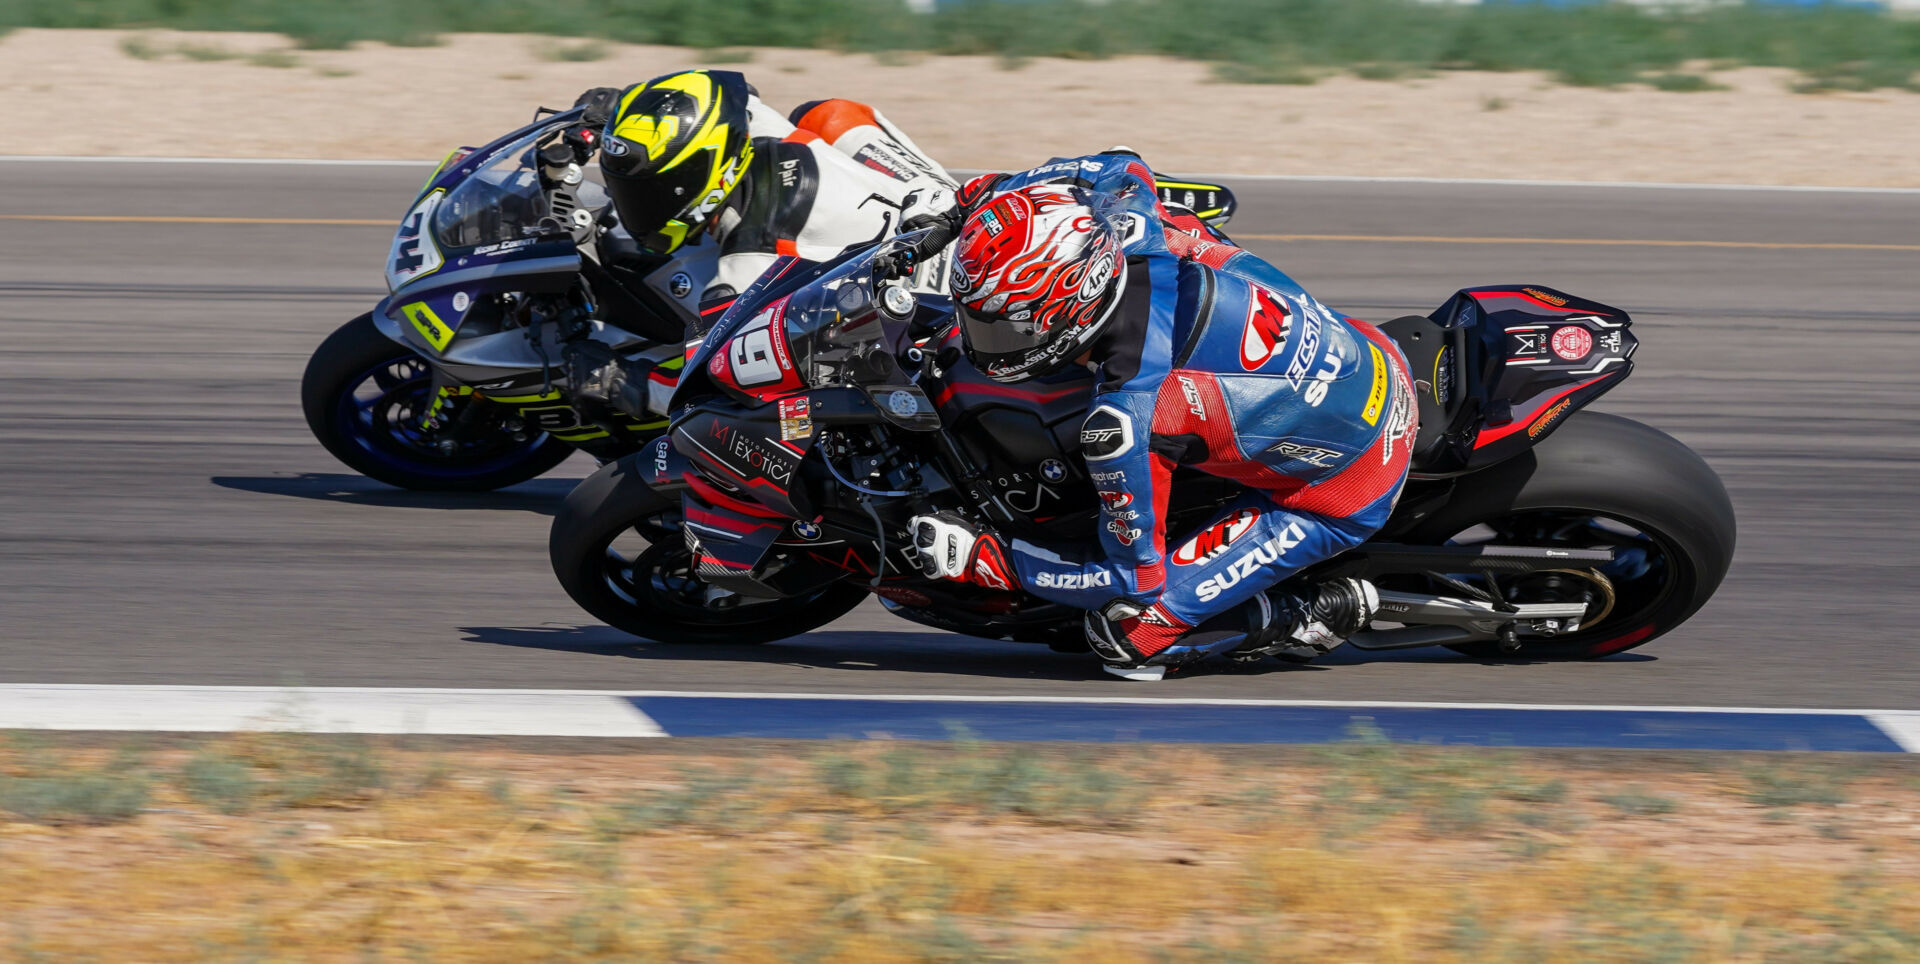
(756, 360)
(414, 254)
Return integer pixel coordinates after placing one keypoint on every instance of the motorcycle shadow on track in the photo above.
(930, 653)
(541, 496)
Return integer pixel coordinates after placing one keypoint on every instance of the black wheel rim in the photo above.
(1645, 576)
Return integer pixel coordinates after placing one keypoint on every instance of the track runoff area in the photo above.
(790, 715)
(671, 713)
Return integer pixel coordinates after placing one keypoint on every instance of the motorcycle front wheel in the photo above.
(617, 551)
(364, 396)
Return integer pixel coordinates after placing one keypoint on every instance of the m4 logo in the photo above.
(1215, 539)
(1266, 330)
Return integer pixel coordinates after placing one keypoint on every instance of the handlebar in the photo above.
(940, 231)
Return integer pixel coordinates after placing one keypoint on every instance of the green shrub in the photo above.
(221, 781)
(1263, 41)
(51, 792)
(1637, 802)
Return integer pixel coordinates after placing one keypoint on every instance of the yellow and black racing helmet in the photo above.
(673, 149)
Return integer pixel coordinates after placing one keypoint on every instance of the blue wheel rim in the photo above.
(379, 410)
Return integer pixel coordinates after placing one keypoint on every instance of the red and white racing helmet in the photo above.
(1036, 274)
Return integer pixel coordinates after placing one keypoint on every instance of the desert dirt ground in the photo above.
(285, 847)
(254, 95)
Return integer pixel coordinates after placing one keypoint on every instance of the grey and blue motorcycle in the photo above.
(506, 260)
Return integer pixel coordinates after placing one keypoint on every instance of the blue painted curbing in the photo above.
(772, 717)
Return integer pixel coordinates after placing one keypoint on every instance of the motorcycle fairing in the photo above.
(742, 448)
(728, 544)
(757, 362)
(1498, 367)
(744, 547)
(1024, 437)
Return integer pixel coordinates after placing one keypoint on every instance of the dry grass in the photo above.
(313, 848)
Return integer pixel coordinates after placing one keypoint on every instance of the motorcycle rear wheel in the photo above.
(362, 394)
(1603, 481)
(653, 593)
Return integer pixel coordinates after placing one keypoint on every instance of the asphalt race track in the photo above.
(166, 518)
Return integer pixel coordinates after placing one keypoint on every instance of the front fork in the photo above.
(455, 413)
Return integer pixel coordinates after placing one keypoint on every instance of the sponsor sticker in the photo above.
(1265, 553)
(1072, 580)
(903, 404)
(680, 285)
(1106, 434)
(1313, 455)
(1572, 343)
(1400, 420)
(1192, 394)
(1552, 299)
(806, 530)
(1311, 327)
(1546, 419)
(1377, 395)
(1053, 470)
(1212, 542)
(796, 419)
(1443, 375)
(1266, 330)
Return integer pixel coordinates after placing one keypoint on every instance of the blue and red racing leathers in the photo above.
(1217, 360)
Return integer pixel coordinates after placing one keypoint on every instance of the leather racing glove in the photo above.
(597, 375)
(949, 546)
(599, 102)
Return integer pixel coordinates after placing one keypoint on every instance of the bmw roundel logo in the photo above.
(1053, 470)
(681, 284)
(806, 530)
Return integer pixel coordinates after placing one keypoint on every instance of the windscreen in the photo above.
(500, 202)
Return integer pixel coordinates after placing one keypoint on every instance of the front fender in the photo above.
(385, 323)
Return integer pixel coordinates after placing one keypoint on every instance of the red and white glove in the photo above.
(949, 546)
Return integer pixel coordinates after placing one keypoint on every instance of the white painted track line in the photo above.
(323, 709)
(1303, 178)
(84, 691)
(1901, 728)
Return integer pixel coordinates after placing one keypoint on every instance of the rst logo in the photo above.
(1215, 539)
(1192, 395)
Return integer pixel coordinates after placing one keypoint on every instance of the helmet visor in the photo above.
(646, 202)
(996, 336)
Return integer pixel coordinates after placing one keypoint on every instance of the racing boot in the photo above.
(1310, 628)
(1131, 641)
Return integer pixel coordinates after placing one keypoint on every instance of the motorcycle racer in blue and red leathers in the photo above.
(1205, 356)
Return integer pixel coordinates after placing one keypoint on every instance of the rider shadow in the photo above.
(542, 496)
(929, 653)
(1349, 656)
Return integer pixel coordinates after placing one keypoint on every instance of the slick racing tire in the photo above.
(652, 592)
(364, 394)
(1601, 481)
